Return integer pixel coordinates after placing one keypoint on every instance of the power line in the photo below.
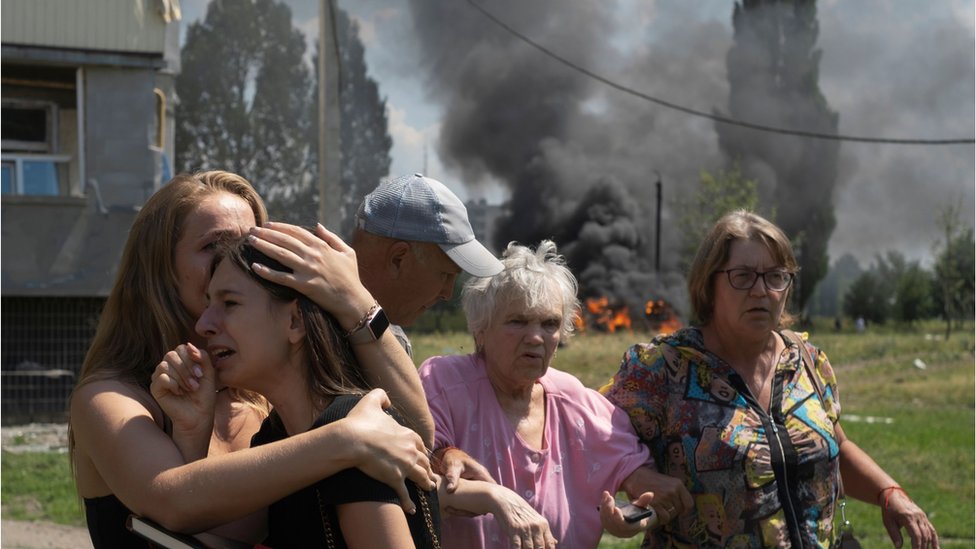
(710, 116)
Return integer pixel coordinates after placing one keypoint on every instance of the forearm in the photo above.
(386, 365)
(193, 445)
(210, 492)
(471, 496)
(863, 478)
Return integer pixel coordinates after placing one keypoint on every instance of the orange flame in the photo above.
(596, 312)
(661, 314)
(620, 320)
(578, 322)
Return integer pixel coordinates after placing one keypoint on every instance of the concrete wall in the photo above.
(119, 107)
(110, 25)
(70, 246)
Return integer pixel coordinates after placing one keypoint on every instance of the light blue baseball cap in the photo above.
(414, 207)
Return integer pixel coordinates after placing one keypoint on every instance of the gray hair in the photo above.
(539, 278)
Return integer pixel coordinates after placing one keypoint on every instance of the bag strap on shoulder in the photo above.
(808, 363)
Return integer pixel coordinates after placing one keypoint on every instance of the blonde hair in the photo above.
(714, 252)
(143, 317)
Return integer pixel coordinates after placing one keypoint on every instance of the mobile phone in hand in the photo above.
(633, 513)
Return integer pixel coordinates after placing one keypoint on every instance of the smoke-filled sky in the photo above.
(474, 94)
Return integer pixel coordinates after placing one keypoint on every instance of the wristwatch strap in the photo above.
(372, 329)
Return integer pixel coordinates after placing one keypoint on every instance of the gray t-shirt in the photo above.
(402, 338)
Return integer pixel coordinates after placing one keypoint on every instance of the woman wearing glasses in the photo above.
(746, 413)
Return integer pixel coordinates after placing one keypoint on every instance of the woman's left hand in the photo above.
(325, 268)
(899, 511)
(612, 518)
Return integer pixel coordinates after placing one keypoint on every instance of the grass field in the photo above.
(928, 445)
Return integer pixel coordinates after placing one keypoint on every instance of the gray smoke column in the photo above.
(773, 72)
(579, 160)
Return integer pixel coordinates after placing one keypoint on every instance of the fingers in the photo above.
(538, 537)
(405, 501)
(181, 366)
(476, 471)
(376, 397)
(277, 246)
(331, 238)
(608, 509)
(898, 512)
(921, 532)
(452, 473)
(285, 235)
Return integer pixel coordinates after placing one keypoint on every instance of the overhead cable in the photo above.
(711, 116)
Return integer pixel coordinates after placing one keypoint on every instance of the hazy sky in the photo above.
(889, 68)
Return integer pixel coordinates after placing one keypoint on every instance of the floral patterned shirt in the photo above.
(692, 410)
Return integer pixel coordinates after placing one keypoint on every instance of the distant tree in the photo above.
(955, 266)
(913, 294)
(716, 195)
(773, 69)
(364, 135)
(866, 299)
(244, 98)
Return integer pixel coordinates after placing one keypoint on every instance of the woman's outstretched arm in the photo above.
(116, 434)
(865, 480)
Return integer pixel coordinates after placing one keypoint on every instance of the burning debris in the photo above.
(598, 314)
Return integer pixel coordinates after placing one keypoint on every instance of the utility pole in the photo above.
(657, 230)
(328, 122)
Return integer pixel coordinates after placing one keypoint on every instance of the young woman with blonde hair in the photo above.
(123, 453)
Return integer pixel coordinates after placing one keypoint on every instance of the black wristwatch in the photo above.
(371, 330)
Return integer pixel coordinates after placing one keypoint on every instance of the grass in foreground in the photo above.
(38, 486)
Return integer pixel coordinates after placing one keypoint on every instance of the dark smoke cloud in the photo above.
(513, 115)
(898, 68)
(580, 160)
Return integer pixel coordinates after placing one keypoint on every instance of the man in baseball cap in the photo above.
(412, 239)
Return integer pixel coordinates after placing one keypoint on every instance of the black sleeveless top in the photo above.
(308, 517)
(106, 517)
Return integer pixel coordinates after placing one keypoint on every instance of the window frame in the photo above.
(18, 160)
(50, 145)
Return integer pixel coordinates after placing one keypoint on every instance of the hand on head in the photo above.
(325, 268)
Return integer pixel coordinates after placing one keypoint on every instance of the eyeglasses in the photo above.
(745, 279)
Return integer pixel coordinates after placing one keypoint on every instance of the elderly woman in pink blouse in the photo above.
(557, 449)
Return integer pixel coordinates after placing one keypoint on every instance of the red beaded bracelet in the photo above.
(887, 497)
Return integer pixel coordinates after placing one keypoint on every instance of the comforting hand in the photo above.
(899, 511)
(670, 497)
(455, 463)
(524, 526)
(613, 519)
(388, 451)
(325, 268)
(183, 385)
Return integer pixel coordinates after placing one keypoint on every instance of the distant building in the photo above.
(87, 137)
(483, 217)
